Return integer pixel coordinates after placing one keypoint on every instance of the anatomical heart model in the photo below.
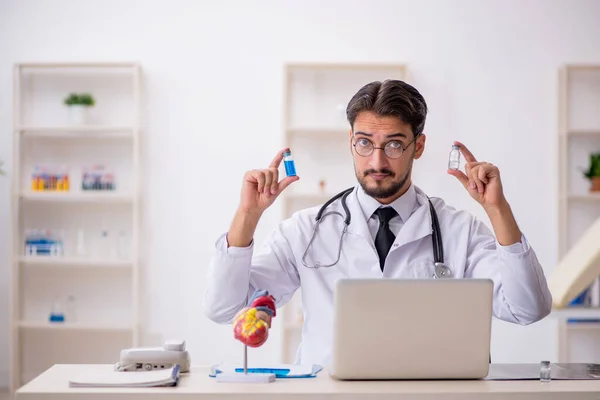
(251, 327)
(251, 324)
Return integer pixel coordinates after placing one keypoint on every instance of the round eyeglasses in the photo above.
(393, 149)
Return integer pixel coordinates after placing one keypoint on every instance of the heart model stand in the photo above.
(251, 327)
(254, 377)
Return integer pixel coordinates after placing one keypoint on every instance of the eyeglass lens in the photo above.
(364, 147)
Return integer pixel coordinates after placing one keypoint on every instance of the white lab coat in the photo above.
(521, 294)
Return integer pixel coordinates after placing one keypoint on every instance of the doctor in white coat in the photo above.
(389, 233)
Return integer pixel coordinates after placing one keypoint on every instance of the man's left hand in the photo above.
(481, 179)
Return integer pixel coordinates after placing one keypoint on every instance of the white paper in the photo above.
(111, 378)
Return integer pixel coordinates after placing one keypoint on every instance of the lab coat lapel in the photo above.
(358, 224)
(418, 225)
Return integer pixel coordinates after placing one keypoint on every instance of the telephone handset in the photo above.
(151, 358)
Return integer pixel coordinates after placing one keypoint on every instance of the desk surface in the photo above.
(53, 384)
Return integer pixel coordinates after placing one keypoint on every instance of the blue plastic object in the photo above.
(279, 372)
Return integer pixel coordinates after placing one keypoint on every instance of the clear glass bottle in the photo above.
(103, 245)
(545, 375)
(71, 309)
(454, 157)
(122, 252)
(288, 161)
(81, 251)
(57, 313)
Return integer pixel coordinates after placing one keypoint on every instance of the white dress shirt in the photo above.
(404, 205)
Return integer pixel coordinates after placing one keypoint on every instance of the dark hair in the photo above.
(390, 98)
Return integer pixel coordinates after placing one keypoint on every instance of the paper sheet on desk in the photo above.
(112, 378)
(559, 371)
(280, 370)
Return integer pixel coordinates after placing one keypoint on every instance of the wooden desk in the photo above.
(53, 385)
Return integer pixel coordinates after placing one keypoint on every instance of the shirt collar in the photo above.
(404, 205)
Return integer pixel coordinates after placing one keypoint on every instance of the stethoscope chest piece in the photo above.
(441, 271)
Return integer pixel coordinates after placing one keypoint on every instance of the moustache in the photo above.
(381, 171)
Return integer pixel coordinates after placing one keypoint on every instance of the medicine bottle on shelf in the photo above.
(57, 313)
(71, 309)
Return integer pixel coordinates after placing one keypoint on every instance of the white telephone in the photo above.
(151, 358)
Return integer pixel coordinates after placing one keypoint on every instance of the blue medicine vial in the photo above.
(57, 318)
(288, 161)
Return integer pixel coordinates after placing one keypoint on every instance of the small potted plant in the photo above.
(593, 172)
(78, 104)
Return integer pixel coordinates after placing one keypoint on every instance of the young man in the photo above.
(389, 235)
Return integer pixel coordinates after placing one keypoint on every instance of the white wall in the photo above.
(213, 74)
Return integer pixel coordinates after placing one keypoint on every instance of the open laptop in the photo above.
(412, 329)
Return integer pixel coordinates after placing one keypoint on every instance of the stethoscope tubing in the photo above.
(436, 237)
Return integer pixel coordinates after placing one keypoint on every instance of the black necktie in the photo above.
(385, 237)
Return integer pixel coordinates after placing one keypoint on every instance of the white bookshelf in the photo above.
(317, 132)
(579, 136)
(104, 278)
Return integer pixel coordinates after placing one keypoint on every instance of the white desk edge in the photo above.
(53, 384)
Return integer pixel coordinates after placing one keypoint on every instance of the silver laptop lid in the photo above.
(412, 329)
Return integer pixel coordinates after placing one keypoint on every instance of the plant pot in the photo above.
(77, 114)
(595, 187)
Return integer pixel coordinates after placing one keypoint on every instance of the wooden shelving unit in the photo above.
(317, 132)
(579, 136)
(102, 283)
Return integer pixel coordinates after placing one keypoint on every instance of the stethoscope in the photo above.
(440, 269)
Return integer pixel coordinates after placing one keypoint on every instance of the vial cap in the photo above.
(455, 147)
(287, 153)
(545, 363)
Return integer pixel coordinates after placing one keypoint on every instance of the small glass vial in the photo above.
(122, 245)
(103, 249)
(57, 313)
(71, 309)
(545, 371)
(454, 157)
(81, 251)
(288, 161)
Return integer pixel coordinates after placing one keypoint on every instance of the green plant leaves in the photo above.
(594, 167)
(84, 99)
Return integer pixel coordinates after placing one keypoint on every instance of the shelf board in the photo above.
(341, 133)
(577, 312)
(584, 132)
(74, 326)
(346, 66)
(90, 131)
(583, 326)
(72, 262)
(77, 197)
(584, 197)
(91, 64)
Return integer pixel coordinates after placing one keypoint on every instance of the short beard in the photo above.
(381, 192)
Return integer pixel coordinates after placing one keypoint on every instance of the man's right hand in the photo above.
(259, 190)
(262, 186)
